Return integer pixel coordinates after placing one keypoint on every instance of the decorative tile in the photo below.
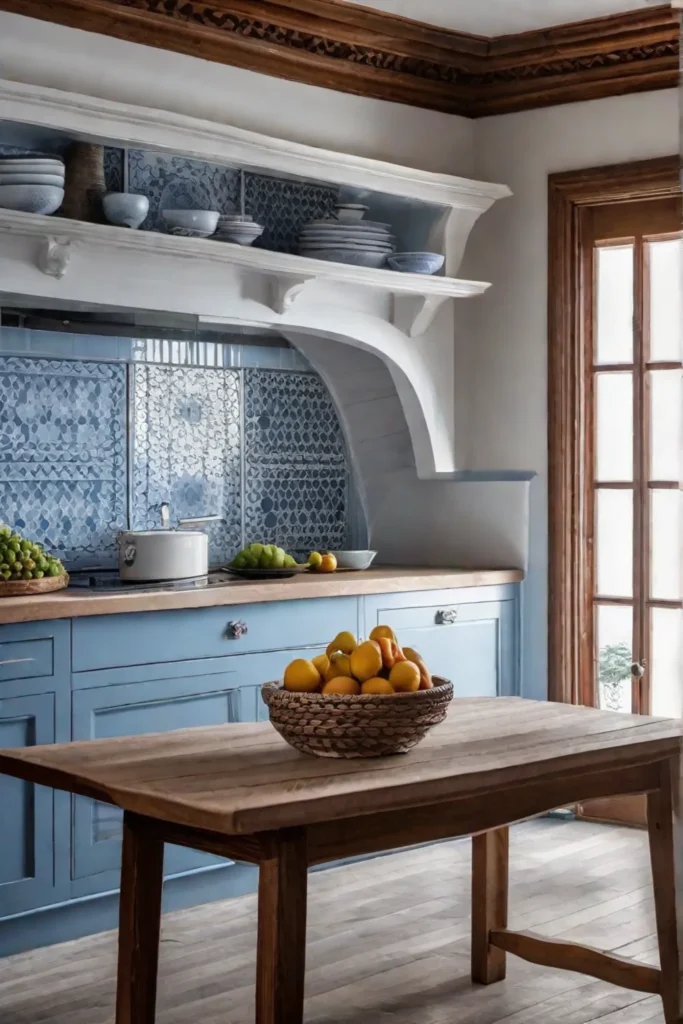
(290, 418)
(283, 207)
(63, 454)
(298, 508)
(177, 183)
(113, 169)
(187, 450)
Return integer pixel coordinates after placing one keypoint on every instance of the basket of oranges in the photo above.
(368, 699)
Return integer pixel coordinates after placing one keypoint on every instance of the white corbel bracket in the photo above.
(415, 314)
(285, 289)
(54, 255)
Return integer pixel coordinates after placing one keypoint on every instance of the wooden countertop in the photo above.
(76, 603)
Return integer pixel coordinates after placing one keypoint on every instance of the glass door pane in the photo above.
(666, 533)
(614, 426)
(614, 543)
(614, 631)
(666, 305)
(667, 662)
(614, 313)
(666, 416)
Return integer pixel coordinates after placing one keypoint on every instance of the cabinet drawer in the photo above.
(33, 650)
(26, 659)
(110, 641)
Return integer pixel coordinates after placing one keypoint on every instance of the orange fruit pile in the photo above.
(375, 666)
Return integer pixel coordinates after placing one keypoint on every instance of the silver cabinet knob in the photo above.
(234, 630)
(446, 617)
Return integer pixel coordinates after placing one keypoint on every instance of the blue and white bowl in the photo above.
(416, 262)
(43, 199)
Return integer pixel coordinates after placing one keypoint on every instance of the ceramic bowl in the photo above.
(44, 199)
(350, 211)
(241, 233)
(125, 209)
(7, 178)
(354, 559)
(16, 166)
(416, 262)
(199, 222)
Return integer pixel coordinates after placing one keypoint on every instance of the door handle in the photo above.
(638, 669)
(446, 617)
(16, 661)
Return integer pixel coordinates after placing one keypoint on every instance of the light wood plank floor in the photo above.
(388, 943)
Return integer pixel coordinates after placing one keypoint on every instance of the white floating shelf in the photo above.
(290, 276)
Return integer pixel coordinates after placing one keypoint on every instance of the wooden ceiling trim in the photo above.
(353, 49)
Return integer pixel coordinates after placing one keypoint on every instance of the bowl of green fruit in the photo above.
(265, 562)
(26, 568)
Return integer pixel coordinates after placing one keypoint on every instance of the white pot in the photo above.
(162, 554)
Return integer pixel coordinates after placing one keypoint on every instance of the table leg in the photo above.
(489, 903)
(281, 952)
(142, 863)
(665, 828)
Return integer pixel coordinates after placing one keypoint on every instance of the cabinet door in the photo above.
(471, 643)
(157, 698)
(27, 848)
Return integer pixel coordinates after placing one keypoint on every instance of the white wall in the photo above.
(509, 247)
(64, 58)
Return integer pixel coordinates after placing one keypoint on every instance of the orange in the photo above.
(376, 685)
(405, 677)
(342, 685)
(328, 563)
(366, 661)
(322, 663)
(412, 655)
(426, 682)
(301, 676)
(383, 633)
(340, 665)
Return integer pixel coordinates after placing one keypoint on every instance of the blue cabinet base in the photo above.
(92, 914)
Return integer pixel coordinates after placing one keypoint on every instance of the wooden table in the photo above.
(239, 791)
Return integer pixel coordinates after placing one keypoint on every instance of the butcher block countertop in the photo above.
(76, 603)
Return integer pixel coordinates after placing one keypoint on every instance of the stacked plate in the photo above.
(364, 243)
(239, 228)
(34, 184)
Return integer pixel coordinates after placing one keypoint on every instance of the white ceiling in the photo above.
(499, 17)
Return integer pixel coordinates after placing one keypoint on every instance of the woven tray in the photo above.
(27, 588)
(363, 726)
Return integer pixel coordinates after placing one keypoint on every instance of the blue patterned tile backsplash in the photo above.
(88, 447)
(63, 453)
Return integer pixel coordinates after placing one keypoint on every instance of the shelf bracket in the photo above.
(54, 256)
(414, 314)
(285, 289)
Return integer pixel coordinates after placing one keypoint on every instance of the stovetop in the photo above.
(108, 580)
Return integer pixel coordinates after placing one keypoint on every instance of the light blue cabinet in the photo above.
(468, 637)
(122, 675)
(34, 685)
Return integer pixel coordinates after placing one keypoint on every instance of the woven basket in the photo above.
(364, 726)
(27, 588)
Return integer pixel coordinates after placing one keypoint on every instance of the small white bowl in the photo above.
(125, 209)
(240, 233)
(199, 222)
(354, 559)
(350, 211)
(43, 199)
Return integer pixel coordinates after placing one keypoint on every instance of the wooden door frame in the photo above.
(568, 415)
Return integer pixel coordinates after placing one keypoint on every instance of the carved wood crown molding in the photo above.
(340, 45)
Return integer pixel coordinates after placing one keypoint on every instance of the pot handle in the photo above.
(197, 520)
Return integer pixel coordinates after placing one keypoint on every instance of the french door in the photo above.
(634, 279)
(619, 610)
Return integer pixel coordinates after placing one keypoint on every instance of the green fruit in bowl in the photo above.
(23, 559)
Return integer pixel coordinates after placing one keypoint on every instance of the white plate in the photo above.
(306, 249)
(31, 179)
(372, 233)
(42, 166)
(375, 225)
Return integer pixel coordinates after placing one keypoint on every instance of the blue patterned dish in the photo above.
(416, 262)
